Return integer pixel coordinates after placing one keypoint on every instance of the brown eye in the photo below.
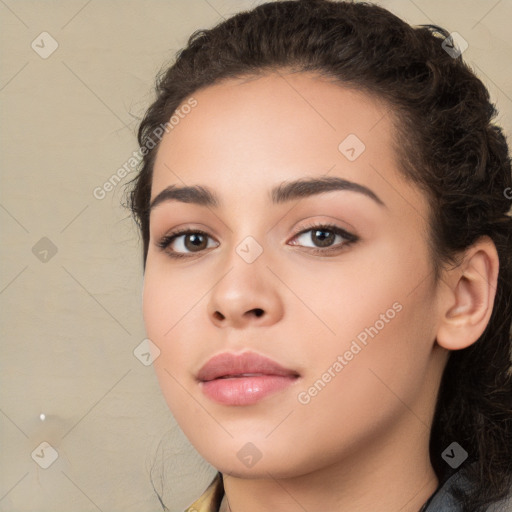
(323, 237)
(185, 242)
(195, 241)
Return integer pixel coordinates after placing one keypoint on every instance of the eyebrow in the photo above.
(284, 192)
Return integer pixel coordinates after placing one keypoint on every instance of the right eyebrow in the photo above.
(196, 194)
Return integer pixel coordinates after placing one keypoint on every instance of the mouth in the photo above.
(243, 379)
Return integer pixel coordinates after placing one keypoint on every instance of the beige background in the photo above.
(71, 322)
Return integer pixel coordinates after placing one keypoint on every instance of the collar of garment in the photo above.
(440, 501)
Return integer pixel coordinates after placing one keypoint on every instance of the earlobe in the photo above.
(467, 299)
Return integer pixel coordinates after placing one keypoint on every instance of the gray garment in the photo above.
(443, 501)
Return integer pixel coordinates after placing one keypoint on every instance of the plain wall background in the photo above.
(71, 322)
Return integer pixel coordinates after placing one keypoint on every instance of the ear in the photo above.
(467, 296)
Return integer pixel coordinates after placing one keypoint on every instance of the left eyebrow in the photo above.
(284, 192)
(311, 186)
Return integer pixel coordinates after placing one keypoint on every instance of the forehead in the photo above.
(245, 135)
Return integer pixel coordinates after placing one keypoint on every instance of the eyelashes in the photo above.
(167, 240)
(196, 239)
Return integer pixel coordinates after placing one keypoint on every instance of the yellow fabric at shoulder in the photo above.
(211, 499)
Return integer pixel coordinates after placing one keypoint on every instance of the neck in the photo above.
(387, 475)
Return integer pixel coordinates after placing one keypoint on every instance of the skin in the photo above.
(370, 424)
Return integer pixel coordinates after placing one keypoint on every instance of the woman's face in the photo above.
(348, 311)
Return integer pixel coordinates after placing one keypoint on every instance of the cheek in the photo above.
(371, 304)
(167, 299)
(384, 331)
(162, 309)
(385, 347)
(172, 320)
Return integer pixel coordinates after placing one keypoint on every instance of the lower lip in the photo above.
(245, 390)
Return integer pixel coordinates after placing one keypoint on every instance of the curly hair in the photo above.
(447, 145)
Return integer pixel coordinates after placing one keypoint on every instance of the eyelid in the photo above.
(164, 242)
(349, 238)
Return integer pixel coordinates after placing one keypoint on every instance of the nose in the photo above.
(248, 294)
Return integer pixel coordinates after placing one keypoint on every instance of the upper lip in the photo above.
(247, 363)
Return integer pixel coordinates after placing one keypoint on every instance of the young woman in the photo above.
(324, 204)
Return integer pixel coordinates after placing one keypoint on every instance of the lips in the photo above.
(246, 364)
(243, 379)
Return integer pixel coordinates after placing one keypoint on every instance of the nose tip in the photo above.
(248, 296)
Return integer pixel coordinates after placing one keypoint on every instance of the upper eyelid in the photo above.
(327, 226)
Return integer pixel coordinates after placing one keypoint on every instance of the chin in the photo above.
(238, 463)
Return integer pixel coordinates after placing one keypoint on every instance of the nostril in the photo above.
(219, 315)
(258, 312)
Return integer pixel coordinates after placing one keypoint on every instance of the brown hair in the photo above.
(449, 147)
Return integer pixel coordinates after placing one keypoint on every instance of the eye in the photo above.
(323, 238)
(183, 243)
(186, 241)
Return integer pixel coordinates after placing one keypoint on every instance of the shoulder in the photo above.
(444, 501)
